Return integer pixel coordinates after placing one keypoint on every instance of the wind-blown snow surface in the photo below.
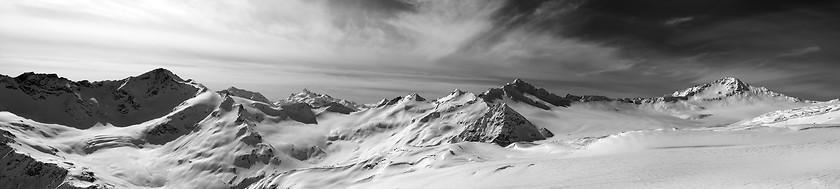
(726, 134)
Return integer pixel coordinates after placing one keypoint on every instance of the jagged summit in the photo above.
(317, 100)
(255, 96)
(216, 140)
(726, 87)
(49, 98)
(521, 91)
(308, 92)
(39, 76)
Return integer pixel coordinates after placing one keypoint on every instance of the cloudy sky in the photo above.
(365, 50)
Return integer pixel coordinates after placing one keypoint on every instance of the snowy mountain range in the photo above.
(157, 130)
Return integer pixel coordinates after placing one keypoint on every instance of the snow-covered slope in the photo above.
(515, 136)
(797, 118)
(720, 102)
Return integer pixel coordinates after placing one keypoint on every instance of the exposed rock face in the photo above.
(546, 133)
(48, 98)
(177, 124)
(338, 108)
(305, 153)
(262, 152)
(517, 91)
(300, 112)
(255, 96)
(21, 171)
(392, 101)
(415, 97)
(501, 125)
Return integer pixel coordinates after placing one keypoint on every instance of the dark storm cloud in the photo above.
(655, 23)
(689, 41)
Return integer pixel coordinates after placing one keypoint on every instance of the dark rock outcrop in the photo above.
(21, 171)
(501, 125)
(262, 153)
(177, 124)
(48, 98)
(339, 108)
(300, 112)
(546, 133)
(305, 153)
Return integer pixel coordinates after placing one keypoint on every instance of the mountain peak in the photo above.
(520, 84)
(415, 96)
(42, 79)
(726, 87)
(458, 92)
(731, 79)
(723, 87)
(732, 82)
(317, 100)
(161, 74)
(500, 125)
(521, 91)
(308, 93)
(455, 95)
(255, 96)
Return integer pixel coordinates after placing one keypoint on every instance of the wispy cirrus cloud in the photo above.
(359, 47)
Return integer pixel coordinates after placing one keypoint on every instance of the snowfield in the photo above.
(131, 133)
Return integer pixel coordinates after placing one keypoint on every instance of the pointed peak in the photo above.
(518, 81)
(500, 125)
(307, 91)
(458, 92)
(724, 87)
(415, 96)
